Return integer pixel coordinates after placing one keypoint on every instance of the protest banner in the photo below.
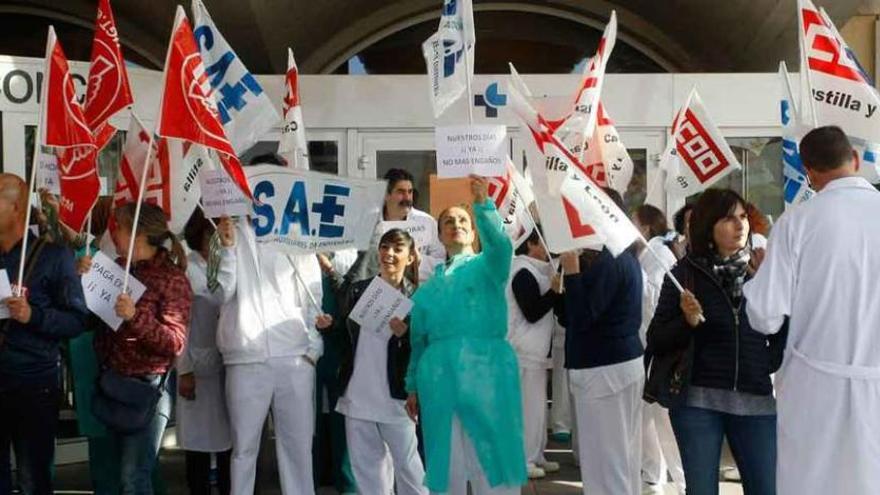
(379, 303)
(220, 196)
(471, 149)
(304, 212)
(47, 174)
(102, 285)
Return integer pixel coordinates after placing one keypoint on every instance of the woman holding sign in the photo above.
(136, 358)
(371, 377)
(463, 374)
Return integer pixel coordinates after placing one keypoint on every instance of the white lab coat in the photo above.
(203, 423)
(821, 269)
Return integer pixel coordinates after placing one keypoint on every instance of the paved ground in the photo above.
(73, 478)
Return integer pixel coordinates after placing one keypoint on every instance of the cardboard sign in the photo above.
(221, 196)
(423, 232)
(475, 149)
(47, 173)
(102, 285)
(5, 291)
(379, 303)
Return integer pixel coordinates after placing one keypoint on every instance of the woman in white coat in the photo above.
(202, 418)
(659, 450)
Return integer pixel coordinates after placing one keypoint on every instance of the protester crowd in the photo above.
(660, 355)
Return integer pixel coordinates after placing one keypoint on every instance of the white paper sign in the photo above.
(47, 173)
(220, 196)
(378, 304)
(471, 149)
(5, 291)
(102, 285)
(421, 232)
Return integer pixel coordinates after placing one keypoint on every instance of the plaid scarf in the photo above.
(731, 272)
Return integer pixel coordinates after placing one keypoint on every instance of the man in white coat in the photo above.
(821, 272)
(270, 345)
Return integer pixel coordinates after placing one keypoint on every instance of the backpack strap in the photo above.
(30, 263)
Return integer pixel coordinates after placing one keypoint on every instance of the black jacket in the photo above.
(728, 353)
(398, 347)
(603, 312)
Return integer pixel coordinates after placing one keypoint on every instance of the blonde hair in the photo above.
(153, 225)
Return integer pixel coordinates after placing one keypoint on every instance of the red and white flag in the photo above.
(616, 162)
(698, 156)
(293, 145)
(836, 90)
(578, 127)
(512, 196)
(63, 126)
(188, 110)
(108, 89)
(134, 155)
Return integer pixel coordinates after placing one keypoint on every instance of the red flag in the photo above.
(63, 124)
(108, 90)
(79, 183)
(188, 110)
(103, 135)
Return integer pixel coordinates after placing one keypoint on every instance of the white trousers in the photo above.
(534, 398)
(659, 449)
(464, 466)
(287, 385)
(368, 446)
(609, 429)
(560, 409)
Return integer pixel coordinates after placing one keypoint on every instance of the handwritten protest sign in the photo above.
(47, 173)
(5, 291)
(473, 149)
(102, 285)
(422, 232)
(221, 196)
(379, 303)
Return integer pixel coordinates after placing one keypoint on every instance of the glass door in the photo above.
(411, 151)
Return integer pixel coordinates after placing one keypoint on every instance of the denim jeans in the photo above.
(29, 419)
(752, 439)
(139, 451)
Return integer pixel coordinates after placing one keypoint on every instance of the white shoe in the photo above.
(535, 472)
(652, 488)
(549, 466)
(731, 474)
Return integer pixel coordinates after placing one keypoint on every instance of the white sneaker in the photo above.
(731, 474)
(549, 466)
(535, 472)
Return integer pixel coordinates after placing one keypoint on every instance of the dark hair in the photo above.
(533, 238)
(395, 175)
(651, 217)
(198, 230)
(825, 149)
(678, 220)
(267, 159)
(712, 206)
(101, 215)
(152, 224)
(400, 236)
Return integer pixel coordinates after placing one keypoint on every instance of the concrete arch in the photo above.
(632, 29)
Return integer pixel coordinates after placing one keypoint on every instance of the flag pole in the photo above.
(137, 213)
(27, 216)
(305, 286)
(667, 270)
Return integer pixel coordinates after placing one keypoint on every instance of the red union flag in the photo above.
(188, 110)
(837, 91)
(79, 184)
(108, 90)
(134, 154)
(293, 145)
(700, 156)
(62, 121)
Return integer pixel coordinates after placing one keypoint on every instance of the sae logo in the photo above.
(298, 211)
(491, 99)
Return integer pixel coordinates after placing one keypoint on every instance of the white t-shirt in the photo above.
(368, 396)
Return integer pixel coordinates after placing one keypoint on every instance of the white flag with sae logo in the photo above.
(246, 111)
(448, 51)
